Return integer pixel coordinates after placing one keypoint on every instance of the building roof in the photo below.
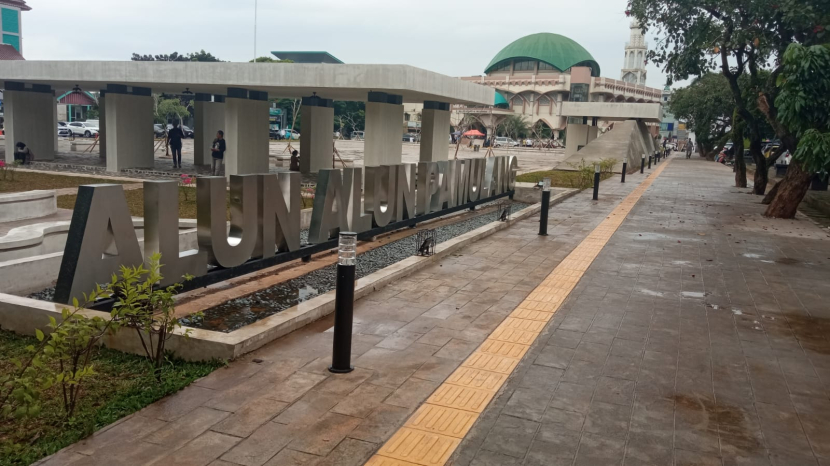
(77, 98)
(553, 49)
(8, 52)
(306, 57)
(17, 4)
(500, 100)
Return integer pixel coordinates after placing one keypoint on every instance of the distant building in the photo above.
(12, 26)
(307, 57)
(670, 127)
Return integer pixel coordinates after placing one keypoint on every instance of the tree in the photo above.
(706, 105)
(740, 38)
(802, 104)
(172, 57)
(513, 126)
(269, 60)
(165, 108)
(350, 116)
(202, 56)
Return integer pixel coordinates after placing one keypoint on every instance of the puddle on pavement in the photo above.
(721, 417)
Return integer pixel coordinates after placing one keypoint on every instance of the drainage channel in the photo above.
(239, 312)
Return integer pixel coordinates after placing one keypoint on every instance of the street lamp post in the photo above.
(344, 304)
(543, 218)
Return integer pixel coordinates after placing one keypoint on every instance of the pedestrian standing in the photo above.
(174, 140)
(689, 149)
(218, 153)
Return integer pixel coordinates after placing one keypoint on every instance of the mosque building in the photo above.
(536, 74)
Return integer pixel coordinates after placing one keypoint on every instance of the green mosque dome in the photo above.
(558, 51)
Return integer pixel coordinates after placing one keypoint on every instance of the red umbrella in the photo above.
(473, 132)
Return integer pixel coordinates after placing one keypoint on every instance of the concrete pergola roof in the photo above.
(338, 82)
(614, 111)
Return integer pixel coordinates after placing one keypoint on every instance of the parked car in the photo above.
(64, 131)
(188, 132)
(273, 133)
(502, 141)
(358, 135)
(83, 128)
(289, 134)
(63, 124)
(158, 131)
(410, 137)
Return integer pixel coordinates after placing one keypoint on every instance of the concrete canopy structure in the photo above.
(240, 92)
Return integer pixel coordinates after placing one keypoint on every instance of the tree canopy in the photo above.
(175, 56)
(269, 60)
(706, 106)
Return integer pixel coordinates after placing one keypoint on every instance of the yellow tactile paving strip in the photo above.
(435, 430)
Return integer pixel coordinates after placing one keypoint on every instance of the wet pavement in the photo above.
(697, 336)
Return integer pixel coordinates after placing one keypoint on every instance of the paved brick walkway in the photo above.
(288, 409)
(697, 337)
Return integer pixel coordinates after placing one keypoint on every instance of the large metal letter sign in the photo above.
(330, 210)
(379, 197)
(279, 214)
(476, 178)
(228, 248)
(101, 239)
(427, 186)
(462, 184)
(405, 192)
(357, 222)
(161, 233)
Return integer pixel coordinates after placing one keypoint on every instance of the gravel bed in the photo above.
(240, 312)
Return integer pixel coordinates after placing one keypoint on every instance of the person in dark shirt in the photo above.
(218, 153)
(295, 162)
(23, 154)
(174, 139)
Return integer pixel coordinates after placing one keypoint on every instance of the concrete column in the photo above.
(102, 125)
(576, 136)
(316, 138)
(384, 136)
(209, 118)
(129, 117)
(55, 119)
(30, 118)
(435, 131)
(246, 132)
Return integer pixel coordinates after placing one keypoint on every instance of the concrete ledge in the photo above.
(23, 315)
(26, 205)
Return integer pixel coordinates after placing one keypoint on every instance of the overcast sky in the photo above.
(453, 37)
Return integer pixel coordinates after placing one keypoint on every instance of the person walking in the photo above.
(174, 140)
(218, 153)
(689, 148)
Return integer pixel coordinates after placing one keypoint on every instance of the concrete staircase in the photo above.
(627, 141)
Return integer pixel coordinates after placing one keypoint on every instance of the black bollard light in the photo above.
(543, 217)
(344, 304)
(596, 181)
(625, 167)
(642, 164)
(649, 162)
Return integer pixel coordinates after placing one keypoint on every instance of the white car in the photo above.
(83, 128)
(289, 134)
(502, 141)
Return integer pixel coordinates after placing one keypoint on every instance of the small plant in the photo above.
(186, 181)
(607, 165)
(146, 308)
(63, 358)
(584, 175)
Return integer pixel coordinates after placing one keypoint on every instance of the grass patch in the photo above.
(124, 384)
(561, 178)
(28, 181)
(135, 201)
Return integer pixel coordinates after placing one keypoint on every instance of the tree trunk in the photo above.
(761, 171)
(738, 147)
(771, 194)
(789, 193)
